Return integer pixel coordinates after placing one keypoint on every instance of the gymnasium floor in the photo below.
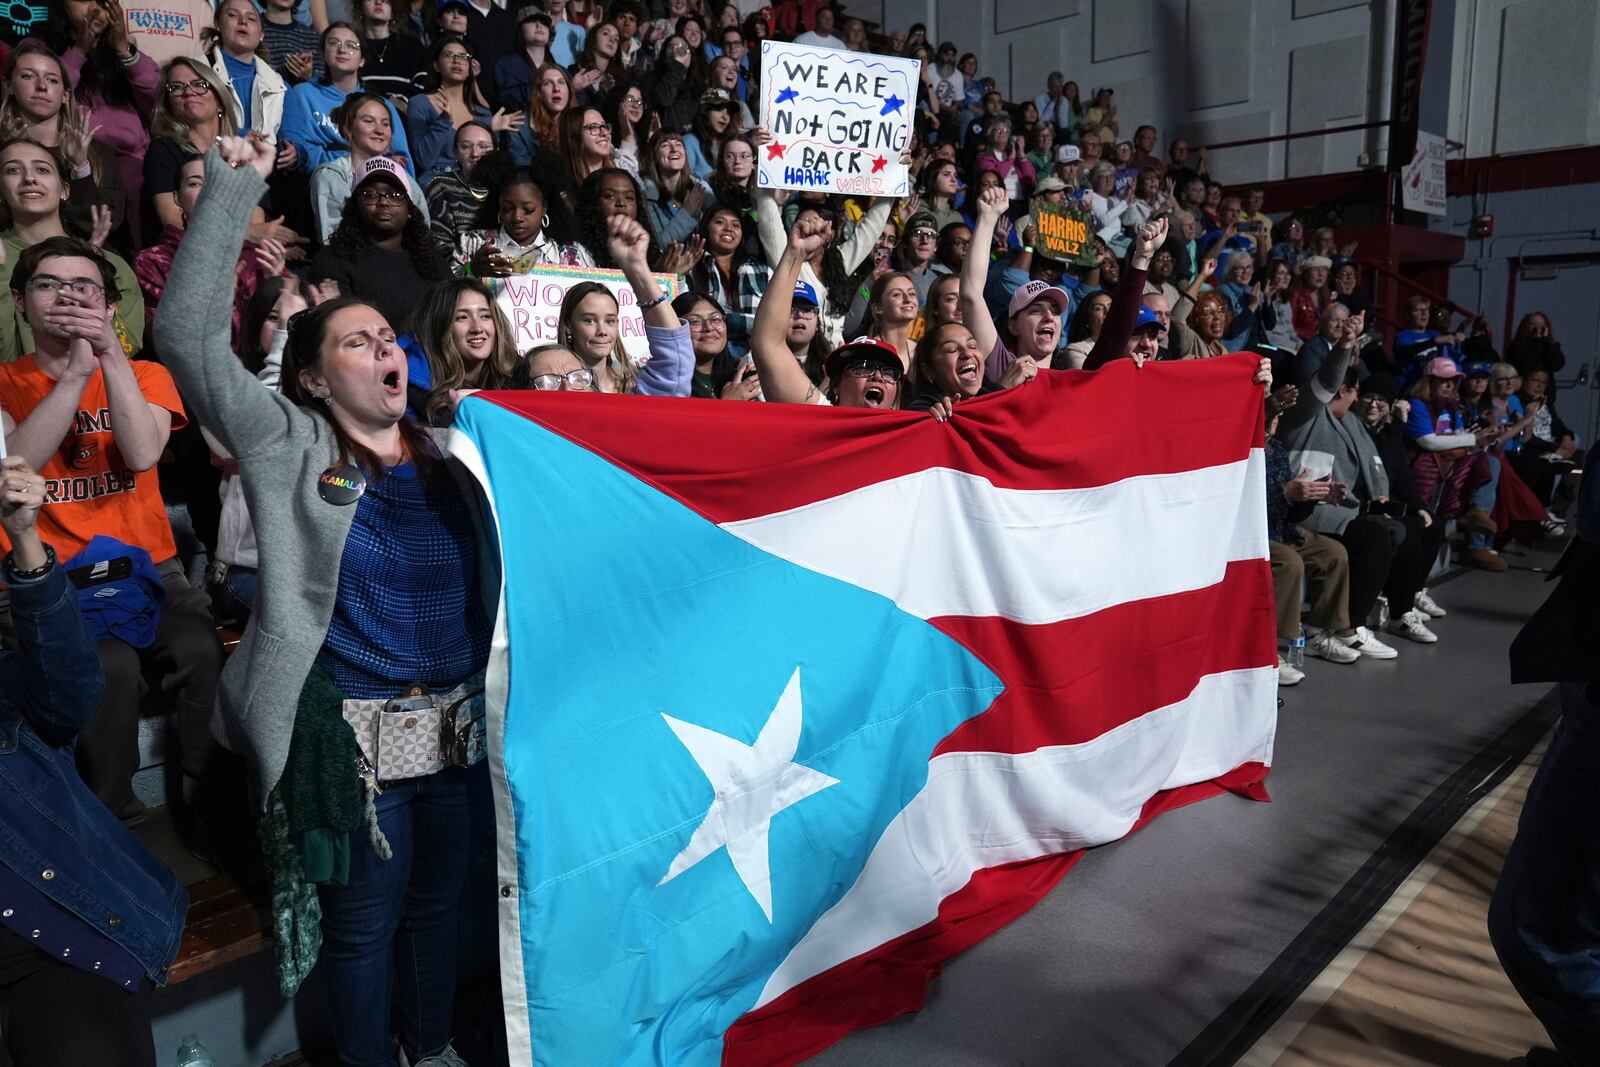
(1340, 925)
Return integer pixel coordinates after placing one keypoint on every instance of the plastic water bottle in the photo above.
(191, 1053)
(1297, 651)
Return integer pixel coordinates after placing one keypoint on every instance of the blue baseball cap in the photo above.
(1478, 368)
(803, 291)
(1148, 318)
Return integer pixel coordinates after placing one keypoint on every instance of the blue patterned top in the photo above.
(408, 608)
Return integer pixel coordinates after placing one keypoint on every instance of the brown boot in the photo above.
(1485, 559)
(1478, 521)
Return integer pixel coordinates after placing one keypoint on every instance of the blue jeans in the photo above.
(1483, 497)
(395, 925)
(1544, 919)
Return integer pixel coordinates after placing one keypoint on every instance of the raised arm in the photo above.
(193, 327)
(670, 371)
(783, 380)
(975, 271)
(859, 245)
(1129, 297)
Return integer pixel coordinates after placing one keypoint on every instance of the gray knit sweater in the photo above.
(281, 450)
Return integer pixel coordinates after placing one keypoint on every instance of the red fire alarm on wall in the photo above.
(1483, 226)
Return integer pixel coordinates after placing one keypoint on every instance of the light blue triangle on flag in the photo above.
(651, 651)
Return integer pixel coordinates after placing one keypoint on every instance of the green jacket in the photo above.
(16, 340)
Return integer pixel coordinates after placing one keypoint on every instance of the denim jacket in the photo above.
(53, 831)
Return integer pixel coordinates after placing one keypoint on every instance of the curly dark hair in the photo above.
(592, 223)
(840, 283)
(428, 257)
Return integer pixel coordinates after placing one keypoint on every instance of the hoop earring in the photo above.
(544, 221)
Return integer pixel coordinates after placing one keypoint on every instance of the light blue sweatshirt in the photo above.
(308, 123)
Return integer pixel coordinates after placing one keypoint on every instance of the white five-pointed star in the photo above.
(752, 783)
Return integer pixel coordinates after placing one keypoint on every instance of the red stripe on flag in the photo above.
(893, 979)
(1066, 430)
(1071, 681)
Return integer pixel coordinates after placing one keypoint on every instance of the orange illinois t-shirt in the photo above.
(89, 490)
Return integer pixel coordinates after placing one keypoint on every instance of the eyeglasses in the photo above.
(456, 57)
(924, 235)
(738, 157)
(390, 196)
(582, 378)
(633, 101)
(802, 311)
(81, 288)
(343, 47)
(705, 322)
(199, 85)
(596, 127)
(871, 368)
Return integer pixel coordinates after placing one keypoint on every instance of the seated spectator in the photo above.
(95, 423)
(552, 95)
(1534, 346)
(95, 1008)
(892, 306)
(725, 79)
(584, 143)
(947, 85)
(820, 35)
(568, 36)
(1238, 272)
(1275, 312)
(1163, 269)
(393, 55)
(1345, 278)
(668, 90)
(310, 113)
(31, 187)
(1102, 117)
(293, 48)
(382, 251)
(1226, 238)
(1084, 330)
(1150, 198)
(608, 193)
(465, 342)
(364, 121)
(1323, 243)
(913, 253)
(1209, 319)
(589, 324)
(732, 273)
(1288, 238)
(718, 373)
(450, 97)
(954, 241)
(1308, 298)
(1447, 463)
(1302, 557)
(735, 49)
(976, 132)
(1127, 171)
(459, 201)
(1040, 142)
(1550, 450)
(1315, 352)
(152, 265)
(1003, 154)
(1145, 139)
(1327, 442)
(1517, 511)
(119, 85)
(1254, 225)
(1108, 208)
(733, 183)
(630, 125)
(535, 229)
(1183, 340)
(513, 74)
(38, 105)
(943, 305)
(232, 48)
(601, 63)
(1211, 211)
(940, 189)
(1376, 407)
(1055, 107)
(676, 197)
(717, 120)
(1419, 343)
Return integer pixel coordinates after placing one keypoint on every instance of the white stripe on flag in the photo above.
(941, 542)
(984, 809)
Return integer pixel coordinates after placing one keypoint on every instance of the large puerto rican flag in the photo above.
(793, 704)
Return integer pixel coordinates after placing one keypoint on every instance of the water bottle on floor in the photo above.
(191, 1053)
(1297, 652)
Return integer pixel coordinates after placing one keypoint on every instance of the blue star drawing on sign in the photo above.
(785, 95)
(891, 105)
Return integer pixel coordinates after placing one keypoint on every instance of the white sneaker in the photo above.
(1288, 675)
(1413, 627)
(1333, 649)
(1424, 603)
(1364, 642)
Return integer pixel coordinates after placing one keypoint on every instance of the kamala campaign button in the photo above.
(342, 484)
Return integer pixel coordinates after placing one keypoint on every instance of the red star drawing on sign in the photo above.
(878, 164)
(775, 150)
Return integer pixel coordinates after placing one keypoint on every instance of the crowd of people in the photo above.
(250, 282)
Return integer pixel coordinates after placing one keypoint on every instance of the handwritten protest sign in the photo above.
(839, 120)
(167, 29)
(532, 304)
(1064, 234)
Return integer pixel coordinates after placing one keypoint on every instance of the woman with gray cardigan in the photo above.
(376, 571)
